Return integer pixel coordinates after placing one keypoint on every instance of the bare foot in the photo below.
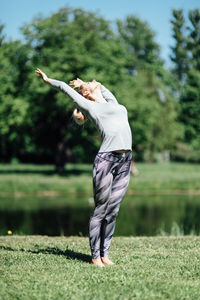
(97, 262)
(106, 261)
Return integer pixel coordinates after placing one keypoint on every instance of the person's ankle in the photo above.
(105, 260)
(97, 262)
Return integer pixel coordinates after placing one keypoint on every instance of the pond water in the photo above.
(139, 215)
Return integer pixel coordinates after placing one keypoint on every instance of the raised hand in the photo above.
(76, 83)
(96, 84)
(42, 75)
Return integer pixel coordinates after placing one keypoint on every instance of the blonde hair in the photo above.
(78, 116)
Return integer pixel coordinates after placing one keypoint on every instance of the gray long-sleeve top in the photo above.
(110, 118)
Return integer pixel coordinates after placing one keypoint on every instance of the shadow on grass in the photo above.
(69, 254)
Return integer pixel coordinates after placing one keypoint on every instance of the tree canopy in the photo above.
(36, 121)
(186, 58)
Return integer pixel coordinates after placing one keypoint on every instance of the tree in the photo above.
(152, 114)
(190, 109)
(13, 105)
(149, 88)
(69, 44)
(138, 37)
(36, 121)
(179, 50)
(194, 38)
(190, 99)
(187, 61)
(1, 34)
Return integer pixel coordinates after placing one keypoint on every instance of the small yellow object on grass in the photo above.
(9, 231)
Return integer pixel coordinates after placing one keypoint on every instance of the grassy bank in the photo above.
(40, 267)
(36, 200)
(45, 268)
(25, 180)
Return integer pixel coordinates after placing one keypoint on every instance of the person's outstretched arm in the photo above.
(108, 96)
(81, 101)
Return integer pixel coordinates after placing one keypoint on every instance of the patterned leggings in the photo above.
(111, 174)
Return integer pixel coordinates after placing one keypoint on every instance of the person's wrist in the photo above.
(47, 80)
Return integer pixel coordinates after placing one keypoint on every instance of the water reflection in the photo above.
(160, 215)
(139, 215)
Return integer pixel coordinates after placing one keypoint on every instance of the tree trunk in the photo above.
(63, 155)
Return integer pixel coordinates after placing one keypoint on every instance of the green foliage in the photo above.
(36, 121)
(194, 38)
(148, 100)
(1, 34)
(23, 180)
(69, 44)
(185, 152)
(190, 108)
(147, 92)
(179, 51)
(139, 40)
(13, 104)
(186, 56)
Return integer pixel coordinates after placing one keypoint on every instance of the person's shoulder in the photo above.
(122, 106)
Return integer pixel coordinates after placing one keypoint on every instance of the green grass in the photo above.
(25, 186)
(42, 180)
(41, 267)
(19, 180)
(176, 177)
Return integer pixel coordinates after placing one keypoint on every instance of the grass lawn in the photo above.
(57, 268)
(23, 179)
(41, 267)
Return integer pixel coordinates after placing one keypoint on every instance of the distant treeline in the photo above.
(163, 105)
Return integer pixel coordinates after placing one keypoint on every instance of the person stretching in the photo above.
(112, 164)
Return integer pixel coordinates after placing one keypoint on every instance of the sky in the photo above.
(16, 13)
